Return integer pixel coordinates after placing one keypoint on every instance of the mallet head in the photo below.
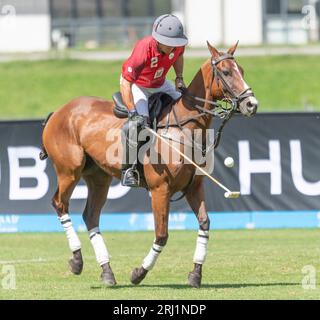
(232, 194)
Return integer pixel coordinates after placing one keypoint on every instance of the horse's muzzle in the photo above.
(249, 106)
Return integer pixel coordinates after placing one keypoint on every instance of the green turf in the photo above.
(242, 264)
(33, 89)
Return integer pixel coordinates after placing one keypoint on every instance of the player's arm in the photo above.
(178, 68)
(127, 97)
(130, 73)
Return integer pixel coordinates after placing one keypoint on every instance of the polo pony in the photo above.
(74, 138)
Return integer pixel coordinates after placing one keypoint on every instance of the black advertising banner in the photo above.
(276, 163)
(276, 155)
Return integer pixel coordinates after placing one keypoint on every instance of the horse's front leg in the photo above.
(195, 198)
(160, 208)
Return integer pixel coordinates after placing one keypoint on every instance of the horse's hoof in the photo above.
(76, 263)
(138, 274)
(194, 279)
(107, 276)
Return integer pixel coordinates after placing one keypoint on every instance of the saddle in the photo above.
(157, 102)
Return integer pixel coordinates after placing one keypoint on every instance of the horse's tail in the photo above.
(43, 153)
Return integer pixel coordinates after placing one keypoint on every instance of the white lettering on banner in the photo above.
(9, 219)
(80, 192)
(303, 186)
(37, 171)
(115, 192)
(9, 223)
(248, 167)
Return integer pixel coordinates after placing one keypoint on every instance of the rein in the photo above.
(223, 112)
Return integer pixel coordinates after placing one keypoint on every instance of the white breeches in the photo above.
(142, 94)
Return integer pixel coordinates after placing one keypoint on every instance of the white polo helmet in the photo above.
(168, 30)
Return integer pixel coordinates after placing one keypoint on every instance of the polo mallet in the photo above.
(228, 194)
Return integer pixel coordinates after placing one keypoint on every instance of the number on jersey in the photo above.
(154, 62)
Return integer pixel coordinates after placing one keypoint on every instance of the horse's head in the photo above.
(228, 83)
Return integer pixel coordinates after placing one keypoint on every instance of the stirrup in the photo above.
(43, 155)
(130, 178)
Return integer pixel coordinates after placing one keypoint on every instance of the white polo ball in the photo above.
(229, 162)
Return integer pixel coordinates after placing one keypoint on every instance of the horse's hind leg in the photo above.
(98, 183)
(67, 180)
(195, 198)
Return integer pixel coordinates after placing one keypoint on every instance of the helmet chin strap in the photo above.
(160, 49)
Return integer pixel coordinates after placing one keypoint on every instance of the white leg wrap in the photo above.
(99, 246)
(150, 260)
(201, 248)
(73, 240)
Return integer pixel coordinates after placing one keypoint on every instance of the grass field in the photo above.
(33, 89)
(243, 264)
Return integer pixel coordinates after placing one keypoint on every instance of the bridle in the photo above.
(234, 99)
(229, 96)
(223, 111)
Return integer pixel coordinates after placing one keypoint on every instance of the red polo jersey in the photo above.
(146, 66)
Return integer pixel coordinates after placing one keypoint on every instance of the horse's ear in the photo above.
(214, 52)
(233, 48)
